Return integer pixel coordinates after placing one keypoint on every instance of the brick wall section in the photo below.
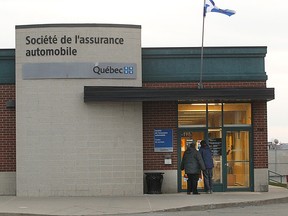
(158, 115)
(164, 115)
(7, 130)
(260, 135)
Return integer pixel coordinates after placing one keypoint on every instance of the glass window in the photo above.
(237, 114)
(192, 115)
(214, 115)
(238, 168)
(215, 143)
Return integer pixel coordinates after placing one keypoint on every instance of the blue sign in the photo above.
(163, 140)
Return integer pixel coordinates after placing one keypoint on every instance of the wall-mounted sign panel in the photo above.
(216, 146)
(79, 51)
(87, 70)
(163, 140)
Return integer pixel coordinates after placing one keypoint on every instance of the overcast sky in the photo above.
(177, 23)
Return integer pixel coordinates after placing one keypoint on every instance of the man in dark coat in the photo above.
(206, 154)
(192, 163)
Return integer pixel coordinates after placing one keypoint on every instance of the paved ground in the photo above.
(106, 205)
(262, 210)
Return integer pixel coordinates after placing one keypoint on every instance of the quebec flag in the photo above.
(211, 7)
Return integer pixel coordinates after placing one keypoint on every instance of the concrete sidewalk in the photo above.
(136, 204)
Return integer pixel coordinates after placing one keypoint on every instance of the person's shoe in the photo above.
(210, 191)
(196, 193)
(188, 193)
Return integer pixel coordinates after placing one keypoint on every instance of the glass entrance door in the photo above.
(231, 156)
(186, 135)
(236, 166)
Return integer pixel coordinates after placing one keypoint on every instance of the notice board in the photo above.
(163, 140)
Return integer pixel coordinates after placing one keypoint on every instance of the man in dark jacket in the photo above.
(192, 163)
(206, 154)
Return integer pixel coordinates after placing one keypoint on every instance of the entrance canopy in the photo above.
(130, 94)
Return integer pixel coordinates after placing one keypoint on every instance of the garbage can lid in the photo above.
(154, 173)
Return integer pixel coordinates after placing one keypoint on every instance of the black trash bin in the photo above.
(154, 182)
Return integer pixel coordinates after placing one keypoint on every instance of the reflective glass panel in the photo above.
(237, 114)
(237, 150)
(214, 115)
(215, 144)
(192, 115)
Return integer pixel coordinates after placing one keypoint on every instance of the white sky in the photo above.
(177, 23)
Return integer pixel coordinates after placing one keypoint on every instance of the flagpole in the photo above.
(211, 8)
(200, 84)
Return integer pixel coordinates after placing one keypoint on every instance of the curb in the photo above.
(227, 205)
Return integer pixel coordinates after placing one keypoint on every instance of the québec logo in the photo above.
(128, 70)
(113, 68)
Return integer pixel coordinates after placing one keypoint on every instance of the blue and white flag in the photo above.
(211, 7)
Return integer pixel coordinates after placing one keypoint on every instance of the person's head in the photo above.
(191, 144)
(203, 143)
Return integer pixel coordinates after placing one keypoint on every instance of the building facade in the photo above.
(86, 111)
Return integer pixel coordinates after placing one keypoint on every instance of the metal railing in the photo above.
(277, 178)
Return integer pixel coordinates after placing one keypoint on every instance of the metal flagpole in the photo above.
(200, 84)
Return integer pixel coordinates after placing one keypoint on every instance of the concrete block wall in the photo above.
(68, 148)
(7, 183)
(261, 180)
